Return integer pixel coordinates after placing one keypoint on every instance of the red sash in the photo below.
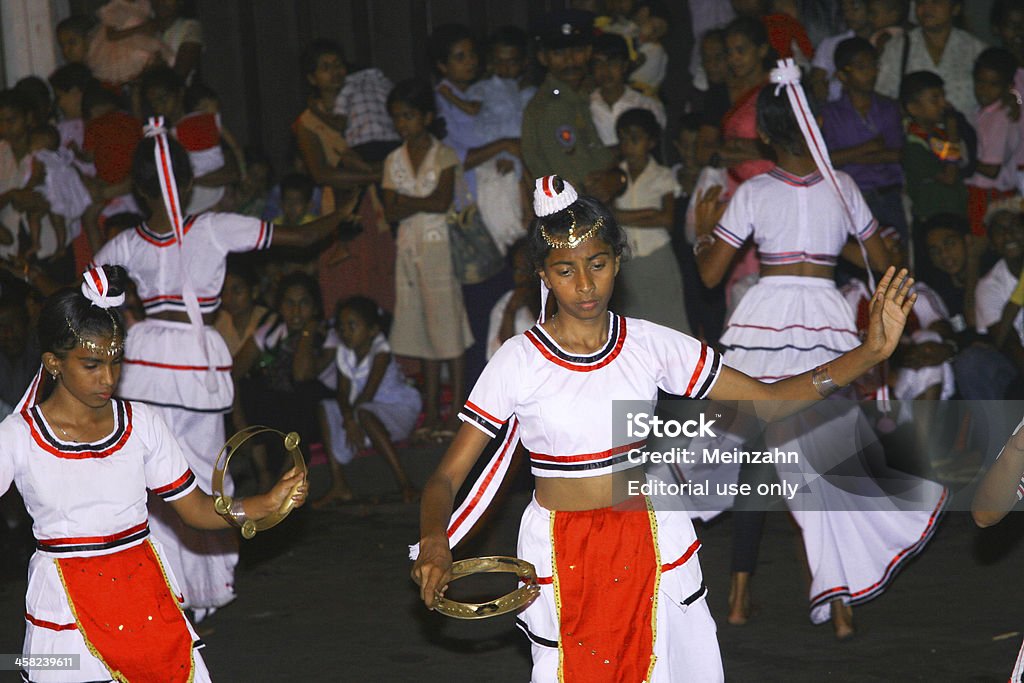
(126, 613)
(606, 581)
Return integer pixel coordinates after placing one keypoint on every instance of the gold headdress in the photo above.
(96, 289)
(552, 194)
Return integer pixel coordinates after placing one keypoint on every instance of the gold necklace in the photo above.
(67, 437)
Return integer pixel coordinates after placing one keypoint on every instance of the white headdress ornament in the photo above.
(96, 289)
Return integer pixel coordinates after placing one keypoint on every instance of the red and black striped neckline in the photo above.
(47, 439)
(550, 349)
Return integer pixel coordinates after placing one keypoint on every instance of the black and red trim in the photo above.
(176, 487)
(93, 543)
(481, 419)
(46, 439)
(143, 230)
(539, 337)
(582, 462)
(708, 356)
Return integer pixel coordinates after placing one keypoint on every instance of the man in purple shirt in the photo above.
(864, 132)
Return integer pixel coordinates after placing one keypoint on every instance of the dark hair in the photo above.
(307, 282)
(998, 60)
(70, 307)
(713, 34)
(419, 95)
(691, 121)
(1001, 9)
(82, 24)
(915, 83)
(196, 93)
(119, 222)
(51, 133)
(509, 36)
(946, 221)
(611, 46)
(754, 31)
(443, 38)
(71, 76)
(299, 182)
(161, 76)
(240, 266)
(656, 9)
(902, 8)
(12, 99)
(642, 119)
(367, 310)
(851, 48)
(776, 120)
(37, 92)
(585, 212)
(317, 49)
(145, 181)
(95, 95)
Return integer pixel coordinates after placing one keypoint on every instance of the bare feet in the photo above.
(842, 619)
(739, 599)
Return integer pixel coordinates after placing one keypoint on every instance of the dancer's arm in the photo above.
(196, 509)
(997, 492)
(432, 569)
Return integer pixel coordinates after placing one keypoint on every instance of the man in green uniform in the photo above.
(558, 136)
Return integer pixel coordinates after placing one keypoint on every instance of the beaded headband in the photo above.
(572, 240)
(114, 348)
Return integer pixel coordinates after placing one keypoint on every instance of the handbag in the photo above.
(475, 256)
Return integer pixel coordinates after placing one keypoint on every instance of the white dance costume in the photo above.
(88, 508)
(166, 367)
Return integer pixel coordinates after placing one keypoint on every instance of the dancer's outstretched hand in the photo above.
(890, 307)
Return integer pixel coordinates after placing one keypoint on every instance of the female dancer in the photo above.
(792, 320)
(622, 594)
(98, 587)
(175, 361)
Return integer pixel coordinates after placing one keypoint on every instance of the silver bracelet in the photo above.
(823, 382)
(703, 241)
(237, 513)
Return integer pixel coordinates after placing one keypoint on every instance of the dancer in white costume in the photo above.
(175, 361)
(83, 462)
(622, 594)
(1000, 490)
(800, 215)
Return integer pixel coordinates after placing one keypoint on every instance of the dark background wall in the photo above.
(252, 49)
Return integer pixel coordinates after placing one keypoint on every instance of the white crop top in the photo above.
(152, 260)
(564, 403)
(794, 219)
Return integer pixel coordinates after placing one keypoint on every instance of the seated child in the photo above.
(374, 405)
(73, 37)
(297, 209)
(934, 152)
(126, 43)
(999, 136)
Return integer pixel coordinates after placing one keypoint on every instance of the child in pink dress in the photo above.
(117, 56)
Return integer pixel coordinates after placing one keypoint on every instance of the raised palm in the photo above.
(890, 308)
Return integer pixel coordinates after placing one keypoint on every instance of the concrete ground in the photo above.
(327, 597)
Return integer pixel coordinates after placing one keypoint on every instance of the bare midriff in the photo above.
(801, 269)
(179, 317)
(589, 493)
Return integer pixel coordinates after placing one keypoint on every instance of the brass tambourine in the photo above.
(520, 597)
(222, 502)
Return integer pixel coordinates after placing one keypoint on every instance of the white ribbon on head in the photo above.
(156, 129)
(547, 201)
(787, 76)
(96, 289)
